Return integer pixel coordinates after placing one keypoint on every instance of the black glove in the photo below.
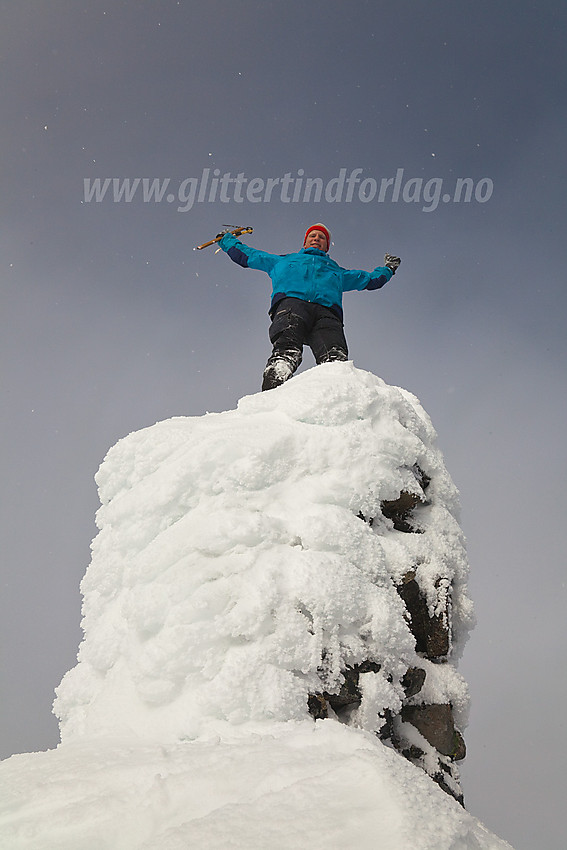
(391, 262)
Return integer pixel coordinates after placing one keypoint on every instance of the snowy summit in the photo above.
(272, 618)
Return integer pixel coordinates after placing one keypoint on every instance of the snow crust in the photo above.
(233, 575)
(290, 786)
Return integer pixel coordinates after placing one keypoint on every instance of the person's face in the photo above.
(316, 239)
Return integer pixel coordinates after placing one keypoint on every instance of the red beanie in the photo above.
(323, 229)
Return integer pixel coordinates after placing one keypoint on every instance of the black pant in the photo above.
(296, 323)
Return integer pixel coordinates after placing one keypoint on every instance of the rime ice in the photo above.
(235, 573)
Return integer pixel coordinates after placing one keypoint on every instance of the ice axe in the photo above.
(237, 231)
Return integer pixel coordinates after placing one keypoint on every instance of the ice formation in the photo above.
(233, 574)
(244, 563)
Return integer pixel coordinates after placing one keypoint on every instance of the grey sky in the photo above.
(111, 321)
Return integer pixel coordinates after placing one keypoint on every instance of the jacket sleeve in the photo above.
(353, 279)
(247, 257)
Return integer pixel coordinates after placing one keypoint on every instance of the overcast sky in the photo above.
(112, 322)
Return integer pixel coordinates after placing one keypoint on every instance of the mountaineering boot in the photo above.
(333, 354)
(280, 366)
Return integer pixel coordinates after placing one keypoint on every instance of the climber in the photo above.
(306, 306)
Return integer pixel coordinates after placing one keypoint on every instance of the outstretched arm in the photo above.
(372, 280)
(366, 280)
(247, 257)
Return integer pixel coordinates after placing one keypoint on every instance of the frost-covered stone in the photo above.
(234, 587)
(232, 577)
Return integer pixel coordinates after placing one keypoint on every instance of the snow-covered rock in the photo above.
(233, 577)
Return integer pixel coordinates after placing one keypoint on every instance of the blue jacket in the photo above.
(310, 274)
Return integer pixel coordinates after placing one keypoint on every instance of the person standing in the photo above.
(306, 305)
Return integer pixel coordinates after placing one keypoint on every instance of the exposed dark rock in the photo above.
(445, 774)
(412, 681)
(432, 637)
(400, 510)
(422, 477)
(453, 789)
(348, 694)
(435, 723)
(442, 743)
(318, 708)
